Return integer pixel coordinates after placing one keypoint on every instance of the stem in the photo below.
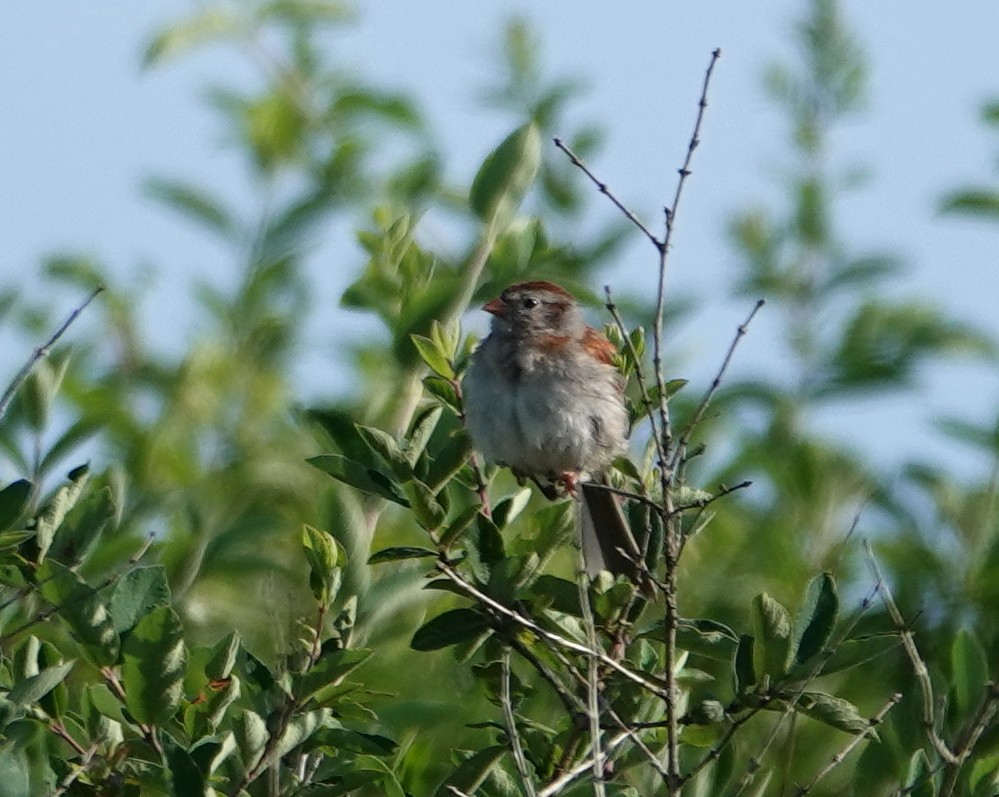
(41, 352)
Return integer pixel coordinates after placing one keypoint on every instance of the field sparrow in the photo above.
(543, 397)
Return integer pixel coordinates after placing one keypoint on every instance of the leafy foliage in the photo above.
(262, 599)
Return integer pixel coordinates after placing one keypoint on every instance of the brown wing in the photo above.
(598, 345)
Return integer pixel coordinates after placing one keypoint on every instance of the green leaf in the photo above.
(39, 390)
(506, 175)
(982, 202)
(15, 772)
(420, 431)
(194, 203)
(557, 593)
(772, 635)
(333, 666)
(449, 460)
(136, 594)
(83, 608)
(386, 447)
(212, 24)
(34, 688)
(250, 731)
(442, 389)
(82, 527)
(53, 515)
(970, 671)
(485, 547)
(321, 553)
(13, 502)
(399, 553)
(456, 528)
(154, 661)
(449, 628)
(367, 480)
(707, 638)
(219, 666)
(745, 667)
(509, 507)
(472, 772)
(832, 710)
(184, 773)
(816, 618)
(428, 512)
(434, 356)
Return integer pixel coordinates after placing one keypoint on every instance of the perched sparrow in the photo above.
(543, 397)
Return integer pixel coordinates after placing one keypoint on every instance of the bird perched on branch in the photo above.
(543, 396)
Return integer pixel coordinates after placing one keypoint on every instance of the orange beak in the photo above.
(496, 307)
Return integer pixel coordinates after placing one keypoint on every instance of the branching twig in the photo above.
(837, 759)
(657, 337)
(42, 352)
(918, 665)
(86, 756)
(567, 777)
(510, 721)
(703, 502)
(603, 189)
(544, 634)
(969, 738)
(681, 447)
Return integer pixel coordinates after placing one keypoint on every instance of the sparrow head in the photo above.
(535, 311)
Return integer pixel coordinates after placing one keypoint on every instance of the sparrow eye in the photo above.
(530, 302)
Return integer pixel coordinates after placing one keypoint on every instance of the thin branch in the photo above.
(703, 502)
(510, 721)
(567, 777)
(837, 759)
(969, 738)
(86, 756)
(575, 705)
(546, 635)
(918, 665)
(642, 499)
(643, 388)
(657, 338)
(698, 415)
(603, 189)
(592, 676)
(42, 352)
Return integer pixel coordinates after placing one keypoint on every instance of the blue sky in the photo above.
(82, 126)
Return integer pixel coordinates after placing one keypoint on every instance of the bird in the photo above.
(543, 397)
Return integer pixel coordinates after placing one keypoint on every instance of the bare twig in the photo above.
(681, 447)
(918, 665)
(41, 352)
(510, 721)
(837, 759)
(603, 189)
(657, 337)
